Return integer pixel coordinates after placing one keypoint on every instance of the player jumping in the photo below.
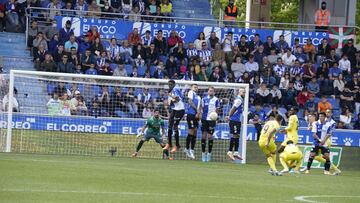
(267, 142)
(291, 157)
(209, 104)
(235, 125)
(153, 125)
(193, 115)
(177, 113)
(291, 130)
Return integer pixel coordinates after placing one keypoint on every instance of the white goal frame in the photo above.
(14, 73)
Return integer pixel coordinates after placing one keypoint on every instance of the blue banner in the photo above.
(133, 127)
(120, 30)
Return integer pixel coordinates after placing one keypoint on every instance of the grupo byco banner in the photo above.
(133, 127)
(120, 30)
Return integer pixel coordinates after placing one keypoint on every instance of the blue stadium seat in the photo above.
(105, 43)
(113, 66)
(334, 102)
(50, 88)
(152, 70)
(252, 108)
(163, 58)
(300, 114)
(282, 110)
(141, 70)
(303, 123)
(128, 69)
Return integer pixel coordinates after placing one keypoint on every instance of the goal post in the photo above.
(55, 125)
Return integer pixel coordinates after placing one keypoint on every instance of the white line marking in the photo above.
(133, 194)
(306, 198)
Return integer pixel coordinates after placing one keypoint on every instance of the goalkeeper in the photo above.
(153, 125)
(291, 157)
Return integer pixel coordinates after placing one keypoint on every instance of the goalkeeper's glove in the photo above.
(139, 135)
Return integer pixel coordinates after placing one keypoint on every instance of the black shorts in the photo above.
(192, 121)
(235, 127)
(208, 126)
(175, 117)
(323, 149)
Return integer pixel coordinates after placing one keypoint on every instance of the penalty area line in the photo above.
(308, 198)
(132, 194)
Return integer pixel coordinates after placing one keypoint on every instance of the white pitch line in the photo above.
(132, 194)
(306, 198)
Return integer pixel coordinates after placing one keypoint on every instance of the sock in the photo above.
(232, 142)
(333, 167)
(271, 163)
(237, 140)
(281, 149)
(177, 138)
(273, 156)
(203, 145)
(188, 140)
(211, 142)
(193, 142)
(327, 165)
(139, 145)
(322, 160)
(309, 163)
(166, 152)
(284, 164)
(170, 137)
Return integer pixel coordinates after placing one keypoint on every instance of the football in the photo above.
(213, 116)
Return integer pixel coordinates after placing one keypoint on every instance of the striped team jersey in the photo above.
(196, 100)
(205, 55)
(146, 41)
(238, 105)
(176, 92)
(209, 104)
(191, 52)
(317, 128)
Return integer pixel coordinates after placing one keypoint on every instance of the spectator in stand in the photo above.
(339, 85)
(228, 45)
(213, 40)
(322, 18)
(48, 64)
(254, 44)
(97, 48)
(39, 56)
(82, 7)
(57, 55)
(202, 75)
(262, 94)
(355, 67)
(126, 53)
(120, 71)
(273, 57)
(310, 104)
(332, 58)
(324, 105)
(68, 9)
(39, 40)
(275, 95)
(54, 105)
(87, 59)
(93, 34)
(334, 72)
(79, 104)
(200, 41)
(296, 69)
(243, 47)
(166, 8)
(3, 17)
(345, 65)
(257, 118)
(347, 98)
(218, 57)
(134, 38)
(255, 82)
(231, 12)
(284, 82)
(147, 111)
(192, 53)
(345, 118)
(84, 45)
(349, 50)
(91, 70)
(290, 95)
(173, 40)
(65, 66)
(238, 68)
(282, 46)
(309, 72)
(95, 109)
(259, 55)
(66, 32)
(113, 51)
(106, 69)
(269, 45)
(160, 43)
(131, 100)
(288, 58)
(147, 39)
(160, 72)
(94, 10)
(126, 6)
(117, 102)
(139, 55)
(302, 97)
(205, 55)
(107, 9)
(300, 55)
(274, 112)
(152, 55)
(71, 43)
(357, 122)
(74, 57)
(67, 107)
(179, 52)
(323, 49)
(251, 66)
(217, 75)
(143, 99)
(32, 32)
(100, 62)
(53, 44)
(279, 70)
(152, 7)
(171, 66)
(310, 50)
(11, 12)
(313, 86)
(78, 69)
(55, 5)
(298, 83)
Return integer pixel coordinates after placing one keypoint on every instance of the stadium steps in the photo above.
(16, 56)
(193, 9)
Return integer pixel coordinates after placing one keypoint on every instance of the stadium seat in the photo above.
(303, 123)
(113, 66)
(282, 110)
(141, 70)
(128, 69)
(300, 114)
(334, 102)
(152, 70)
(252, 108)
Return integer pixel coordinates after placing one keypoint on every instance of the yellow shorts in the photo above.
(268, 150)
(295, 139)
(291, 157)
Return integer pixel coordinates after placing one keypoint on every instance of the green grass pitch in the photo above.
(51, 178)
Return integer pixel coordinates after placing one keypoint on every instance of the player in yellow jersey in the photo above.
(291, 158)
(291, 130)
(267, 142)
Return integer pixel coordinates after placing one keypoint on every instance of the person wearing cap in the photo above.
(66, 32)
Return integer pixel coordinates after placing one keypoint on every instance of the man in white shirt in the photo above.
(113, 50)
(262, 94)
(251, 66)
(288, 58)
(345, 65)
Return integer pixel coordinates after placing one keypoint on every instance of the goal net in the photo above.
(71, 114)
